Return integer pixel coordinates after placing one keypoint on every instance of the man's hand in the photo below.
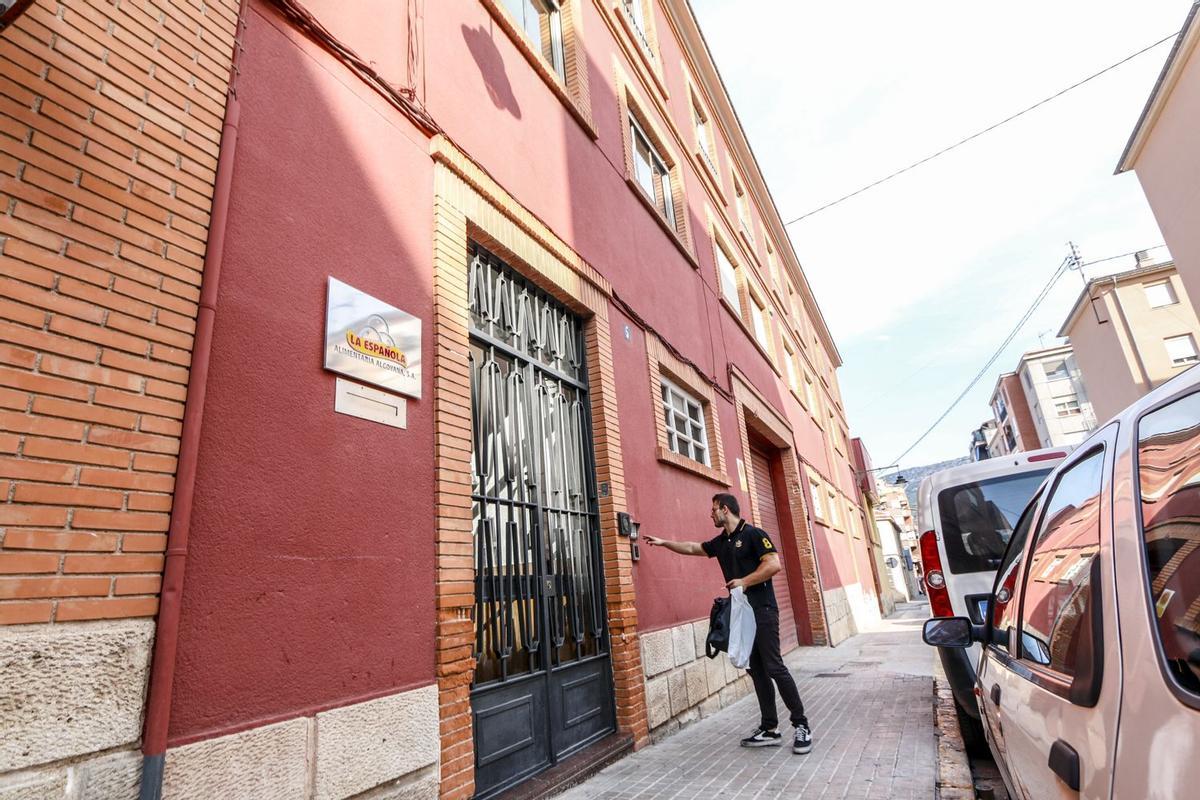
(736, 583)
(653, 541)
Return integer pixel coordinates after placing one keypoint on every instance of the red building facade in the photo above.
(614, 327)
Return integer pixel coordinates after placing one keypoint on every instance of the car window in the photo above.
(1057, 599)
(978, 518)
(1169, 481)
(1004, 608)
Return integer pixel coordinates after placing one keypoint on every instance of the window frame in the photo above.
(1169, 286)
(664, 366)
(1183, 695)
(1087, 692)
(669, 387)
(570, 85)
(815, 488)
(1177, 362)
(660, 171)
(720, 249)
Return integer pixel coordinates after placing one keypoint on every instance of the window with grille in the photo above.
(651, 172)
(687, 432)
(541, 21)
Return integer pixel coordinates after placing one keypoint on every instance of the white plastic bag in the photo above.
(741, 628)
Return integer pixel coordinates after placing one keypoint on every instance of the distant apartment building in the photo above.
(1042, 403)
(981, 440)
(1131, 332)
(1162, 151)
(1056, 397)
(1015, 429)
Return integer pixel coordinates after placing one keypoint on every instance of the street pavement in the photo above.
(869, 701)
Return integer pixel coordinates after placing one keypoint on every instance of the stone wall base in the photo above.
(682, 684)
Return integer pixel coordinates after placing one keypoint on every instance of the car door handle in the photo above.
(996, 695)
(1064, 762)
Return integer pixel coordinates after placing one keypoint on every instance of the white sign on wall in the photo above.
(371, 341)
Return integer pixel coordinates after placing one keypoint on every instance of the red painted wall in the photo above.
(310, 575)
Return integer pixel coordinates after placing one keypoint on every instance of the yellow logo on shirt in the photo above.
(767, 544)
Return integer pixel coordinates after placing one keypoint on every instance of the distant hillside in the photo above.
(914, 476)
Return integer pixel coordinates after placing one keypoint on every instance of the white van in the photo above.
(1089, 682)
(967, 514)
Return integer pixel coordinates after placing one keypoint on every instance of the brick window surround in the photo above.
(572, 90)
(631, 105)
(755, 414)
(470, 206)
(662, 364)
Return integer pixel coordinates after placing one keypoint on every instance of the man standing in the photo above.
(748, 559)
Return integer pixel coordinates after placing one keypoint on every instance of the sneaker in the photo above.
(763, 738)
(803, 741)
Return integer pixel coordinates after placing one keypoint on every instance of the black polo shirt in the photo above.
(739, 554)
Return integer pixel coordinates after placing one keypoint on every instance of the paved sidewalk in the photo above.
(870, 703)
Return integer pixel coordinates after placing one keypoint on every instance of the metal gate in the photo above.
(543, 679)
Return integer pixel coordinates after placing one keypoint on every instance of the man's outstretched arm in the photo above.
(683, 548)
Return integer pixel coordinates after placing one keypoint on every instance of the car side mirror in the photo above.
(948, 632)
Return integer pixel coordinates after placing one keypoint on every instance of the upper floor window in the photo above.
(772, 264)
(743, 209)
(541, 20)
(818, 510)
(1067, 406)
(651, 172)
(686, 428)
(704, 137)
(999, 407)
(1056, 370)
(758, 316)
(789, 365)
(1169, 480)
(1160, 294)
(636, 10)
(1181, 349)
(727, 273)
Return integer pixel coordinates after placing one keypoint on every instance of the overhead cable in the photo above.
(1067, 263)
(988, 129)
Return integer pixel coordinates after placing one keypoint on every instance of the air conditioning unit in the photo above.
(10, 10)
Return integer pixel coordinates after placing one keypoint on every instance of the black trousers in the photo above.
(767, 670)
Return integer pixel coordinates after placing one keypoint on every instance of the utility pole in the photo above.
(1075, 262)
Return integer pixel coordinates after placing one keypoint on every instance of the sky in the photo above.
(922, 278)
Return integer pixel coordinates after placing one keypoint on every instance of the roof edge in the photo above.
(1189, 34)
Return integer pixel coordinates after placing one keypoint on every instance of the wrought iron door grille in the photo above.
(539, 599)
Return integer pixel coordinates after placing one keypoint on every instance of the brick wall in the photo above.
(110, 122)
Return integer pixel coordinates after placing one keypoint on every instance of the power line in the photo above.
(1058, 273)
(1123, 255)
(988, 129)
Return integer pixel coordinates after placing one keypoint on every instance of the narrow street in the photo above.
(869, 702)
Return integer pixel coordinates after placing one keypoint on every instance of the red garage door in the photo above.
(768, 520)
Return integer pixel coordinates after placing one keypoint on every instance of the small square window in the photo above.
(1181, 349)
(1067, 407)
(686, 426)
(1160, 294)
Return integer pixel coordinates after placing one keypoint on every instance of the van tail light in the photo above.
(935, 580)
(1046, 457)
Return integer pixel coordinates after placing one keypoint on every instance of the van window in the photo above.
(1004, 607)
(978, 519)
(1057, 603)
(1169, 480)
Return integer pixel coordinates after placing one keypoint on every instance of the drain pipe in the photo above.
(166, 637)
